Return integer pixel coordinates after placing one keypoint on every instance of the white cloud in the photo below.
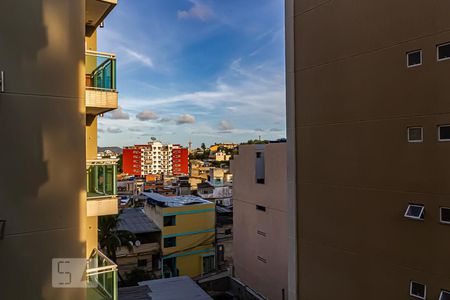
(114, 130)
(118, 114)
(164, 120)
(225, 126)
(135, 129)
(198, 11)
(142, 58)
(146, 115)
(186, 119)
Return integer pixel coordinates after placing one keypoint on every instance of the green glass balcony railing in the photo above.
(101, 275)
(100, 71)
(101, 178)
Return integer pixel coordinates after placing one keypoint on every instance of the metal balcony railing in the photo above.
(101, 176)
(101, 276)
(100, 71)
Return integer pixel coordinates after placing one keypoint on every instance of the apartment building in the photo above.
(146, 250)
(180, 161)
(216, 147)
(260, 233)
(368, 139)
(187, 226)
(47, 119)
(155, 158)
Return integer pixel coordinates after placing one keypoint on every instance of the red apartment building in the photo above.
(155, 158)
(180, 161)
(131, 160)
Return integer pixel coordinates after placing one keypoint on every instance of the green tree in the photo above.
(110, 238)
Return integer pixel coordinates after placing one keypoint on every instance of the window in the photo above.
(261, 233)
(415, 211)
(445, 215)
(443, 51)
(260, 168)
(169, 221)
(208, 264)
(444, 295)
(262, 259)
(142, 263)
(227, 231)
(418, 290)
(170, 242)
(260, 207)
(414, 58)
(415, 134)
(444, 133)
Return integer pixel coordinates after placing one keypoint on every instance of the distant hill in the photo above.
(115, 149)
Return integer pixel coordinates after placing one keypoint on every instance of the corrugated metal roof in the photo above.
(136, 221)
(174, 288)
(175, 201)
(134, 293)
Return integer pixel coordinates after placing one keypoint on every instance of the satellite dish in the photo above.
(137, 243)
(153, 138)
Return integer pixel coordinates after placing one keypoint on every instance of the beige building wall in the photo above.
(260, 237)
(42, 186)
(353, 99)
(91, 153)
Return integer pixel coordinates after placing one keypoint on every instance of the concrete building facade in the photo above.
(367, 116)
(260, 218)
(47, 120)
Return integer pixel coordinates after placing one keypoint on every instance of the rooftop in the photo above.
(135, 220)
(182, 287)
(175, 201)
(134, 293)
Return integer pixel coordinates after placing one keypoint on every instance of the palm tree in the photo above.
(111, 239)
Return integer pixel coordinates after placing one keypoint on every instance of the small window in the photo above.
(445, 295)
(444, 133)
(258, 154)
(443, 51)
(415, 134)
(169, 221)
(262, 259)
(142, 263)
(418, 290)
(227, 231)
(445, 215)
(260, 207)
(415, 211)
(414, 58)
(170, 242)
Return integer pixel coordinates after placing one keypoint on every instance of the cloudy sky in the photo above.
(200, 70)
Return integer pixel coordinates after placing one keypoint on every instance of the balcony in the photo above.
(101, 176)
(96, 12)
(101, 93)
(101, 276)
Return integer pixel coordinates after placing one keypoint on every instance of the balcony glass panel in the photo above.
(100, 71)
(101, 180)
(101, 276)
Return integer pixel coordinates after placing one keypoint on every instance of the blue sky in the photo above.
(200, 70)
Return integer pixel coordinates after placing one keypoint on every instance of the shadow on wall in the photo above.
(42, 145)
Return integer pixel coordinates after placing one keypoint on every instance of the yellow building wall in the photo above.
(201, 242)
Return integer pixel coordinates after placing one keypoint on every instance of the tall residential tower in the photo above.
(368, 116)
